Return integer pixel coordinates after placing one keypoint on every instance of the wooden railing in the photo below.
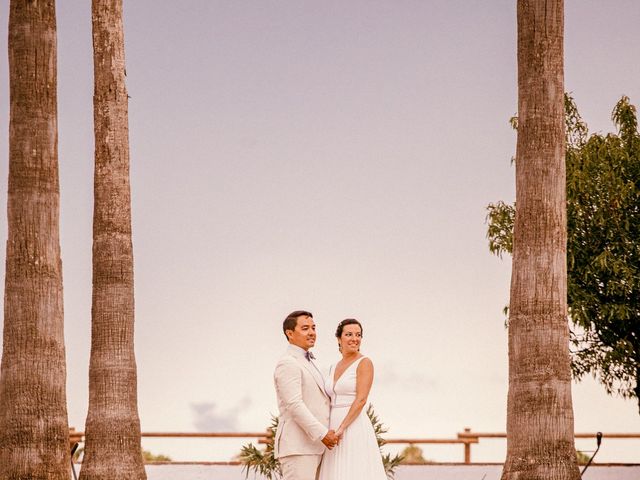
(465, 441)
(465, 438)
(469, 435)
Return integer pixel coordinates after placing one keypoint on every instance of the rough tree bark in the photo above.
(540, 436)
(34, 430)
(112, 447)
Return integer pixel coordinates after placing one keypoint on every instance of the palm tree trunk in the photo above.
(637, 389)
(34, 430)
(540, 436)
(112, 447)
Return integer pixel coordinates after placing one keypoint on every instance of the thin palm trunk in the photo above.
(540, 442)
(112, 447)
(34, 430)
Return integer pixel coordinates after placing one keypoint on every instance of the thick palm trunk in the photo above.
(34, 430)
(637, 389)
(112, 448)
(540, 442)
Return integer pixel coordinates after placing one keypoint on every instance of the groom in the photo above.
(304, 405)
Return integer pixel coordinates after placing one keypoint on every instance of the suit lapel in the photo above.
(313, 372)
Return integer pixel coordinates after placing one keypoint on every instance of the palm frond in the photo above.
(262, 462)
(390, 463)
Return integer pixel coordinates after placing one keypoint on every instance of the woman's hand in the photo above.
(339, 432)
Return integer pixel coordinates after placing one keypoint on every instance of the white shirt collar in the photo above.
(296, 350)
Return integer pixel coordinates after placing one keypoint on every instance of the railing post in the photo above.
(467, 448)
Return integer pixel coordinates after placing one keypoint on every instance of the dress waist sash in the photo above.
(343, 401)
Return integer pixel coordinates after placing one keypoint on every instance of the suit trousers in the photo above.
(300, 467)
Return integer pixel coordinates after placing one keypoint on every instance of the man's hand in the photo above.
(330, 440)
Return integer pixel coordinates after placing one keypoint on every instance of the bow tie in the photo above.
(309, 355)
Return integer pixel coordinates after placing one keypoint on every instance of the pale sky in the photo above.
(334, 156)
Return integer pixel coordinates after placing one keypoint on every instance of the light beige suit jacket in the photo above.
(304, 406)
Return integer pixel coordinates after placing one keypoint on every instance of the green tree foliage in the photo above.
(149, 457)
(583, 458)
(413, 455)
(603, 247)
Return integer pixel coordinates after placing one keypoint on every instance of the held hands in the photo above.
(331, 439)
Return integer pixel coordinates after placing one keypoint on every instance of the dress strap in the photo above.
(357, 362)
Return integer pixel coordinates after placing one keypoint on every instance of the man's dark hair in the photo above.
(292, 320)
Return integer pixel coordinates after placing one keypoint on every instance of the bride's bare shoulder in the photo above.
(365, 363)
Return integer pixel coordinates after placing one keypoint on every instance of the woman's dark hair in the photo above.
(344, 323)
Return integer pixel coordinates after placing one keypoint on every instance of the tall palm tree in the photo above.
(34, 430)
(112, 447)
(540, 441)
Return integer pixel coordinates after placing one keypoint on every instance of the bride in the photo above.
(357, 456)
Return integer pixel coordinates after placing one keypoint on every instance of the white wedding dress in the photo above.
(357, 456)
